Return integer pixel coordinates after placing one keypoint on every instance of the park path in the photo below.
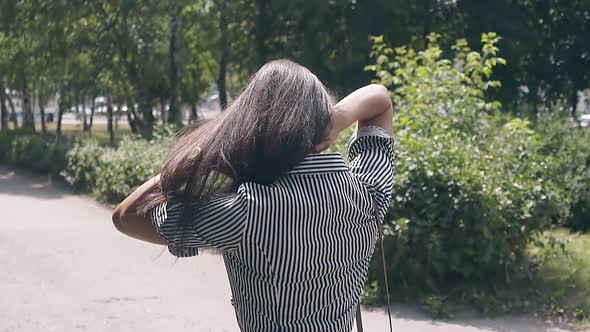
(63, 267)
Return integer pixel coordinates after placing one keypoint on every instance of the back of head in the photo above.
(279, 117)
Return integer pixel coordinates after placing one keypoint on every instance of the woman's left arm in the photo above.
(128, 222)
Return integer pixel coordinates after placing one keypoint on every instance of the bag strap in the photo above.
(359, 318)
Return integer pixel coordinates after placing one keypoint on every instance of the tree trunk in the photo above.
(84, 117)
(117, 116)
(224, 55)
(60, 111)
(146, 123)
(3, 111)
(92, 109)
(174, 115)
(534, 98)
(574, 105)
(427, 11)
(42, 112)
(261, 28)
(28, 117)
(12, 112)
(194, 115)
(515, 108)
(110, 124)
(131, 122)
(163, 110)
(132, 117)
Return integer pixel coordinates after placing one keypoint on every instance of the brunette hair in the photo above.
(280, 116)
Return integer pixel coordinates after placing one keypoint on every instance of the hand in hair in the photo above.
(129, 222)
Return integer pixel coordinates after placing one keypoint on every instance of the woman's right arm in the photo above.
(369, 105)
(370, 148)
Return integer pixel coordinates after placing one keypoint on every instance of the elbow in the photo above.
(117, 218)
(381, 96)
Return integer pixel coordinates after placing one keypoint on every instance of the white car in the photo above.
(585, 120)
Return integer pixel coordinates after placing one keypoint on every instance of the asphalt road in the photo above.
(63, 267)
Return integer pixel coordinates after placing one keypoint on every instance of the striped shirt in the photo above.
(296, 251)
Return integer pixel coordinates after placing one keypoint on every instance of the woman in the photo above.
(296, 227)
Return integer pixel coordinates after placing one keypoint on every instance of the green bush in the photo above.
(109, 173)
(566, 148)
(42, 153)
(83, 161)
(119, 171)
(6, 137)
(113, 173)
(470, 193)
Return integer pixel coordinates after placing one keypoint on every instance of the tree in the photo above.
(198, 58)
(223, 27)
(136, 33)
(261, 28)
(174, 111)
(3, 110)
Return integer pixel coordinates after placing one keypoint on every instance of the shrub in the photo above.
(119, 171)
(109, 173)
(83, 161)
(470, 193)
(566, 148)
(42, 153)
(6, 137)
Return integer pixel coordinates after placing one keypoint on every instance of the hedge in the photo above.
(110, 173)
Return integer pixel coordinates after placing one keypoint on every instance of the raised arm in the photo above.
(369, 105)
(128, 222)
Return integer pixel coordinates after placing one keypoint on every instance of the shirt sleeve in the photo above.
(370, 151)
(218, 223)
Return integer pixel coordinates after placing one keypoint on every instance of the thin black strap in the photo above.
(359, 318)
(383, 261)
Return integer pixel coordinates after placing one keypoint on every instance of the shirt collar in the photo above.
(320, 163)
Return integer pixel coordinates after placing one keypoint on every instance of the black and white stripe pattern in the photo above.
(296, 251)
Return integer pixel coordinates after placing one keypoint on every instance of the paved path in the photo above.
(63, 267)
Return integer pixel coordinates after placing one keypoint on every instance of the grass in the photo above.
(99, 131)
(565, 276)
(558, 285)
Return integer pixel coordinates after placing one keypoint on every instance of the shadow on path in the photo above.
(412, 318)
(22, 183)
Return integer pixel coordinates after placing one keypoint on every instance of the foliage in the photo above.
(470, 189)
(565, 277)
(6, 137)
(119, 171)
(83, 160)
(112, 173)
(109, 173)
(43, 153)
(436, 306)
(566, 149)
(121, 49)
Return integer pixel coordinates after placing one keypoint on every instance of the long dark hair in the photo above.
(280, 116)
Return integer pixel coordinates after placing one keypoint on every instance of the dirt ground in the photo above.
(65, 268)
